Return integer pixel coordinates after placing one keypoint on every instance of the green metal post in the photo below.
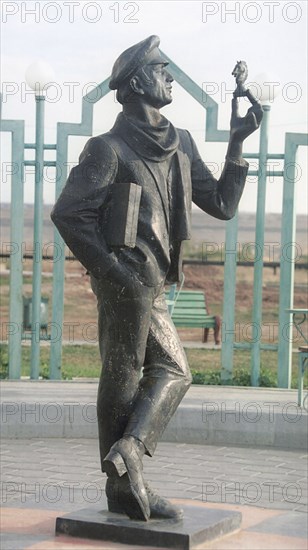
(58, 267)
(259, 247)
(228, 323)
(15, 326)
(37, 237)
(57, 310)
(287, 258)
(16, 262)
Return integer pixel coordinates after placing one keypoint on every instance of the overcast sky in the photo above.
(81, 40)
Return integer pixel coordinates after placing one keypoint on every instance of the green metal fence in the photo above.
(212, 134)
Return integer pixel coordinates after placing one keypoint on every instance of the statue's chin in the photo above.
(166, 102)
(159, 103)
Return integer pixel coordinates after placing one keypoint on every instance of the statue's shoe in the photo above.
(123, 465)
(160, 508)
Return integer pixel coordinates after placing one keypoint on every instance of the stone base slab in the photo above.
(199, 525)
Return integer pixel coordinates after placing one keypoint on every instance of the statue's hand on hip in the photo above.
(120, 275)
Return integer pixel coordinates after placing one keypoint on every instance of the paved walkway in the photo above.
(231, 448)
(44, 478)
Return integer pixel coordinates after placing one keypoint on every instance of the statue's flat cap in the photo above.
(133, 59)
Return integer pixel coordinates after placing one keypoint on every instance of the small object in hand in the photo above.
(240, 72)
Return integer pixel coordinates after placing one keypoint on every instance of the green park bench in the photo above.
(188, 309)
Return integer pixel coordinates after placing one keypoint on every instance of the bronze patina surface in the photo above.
(130, 241)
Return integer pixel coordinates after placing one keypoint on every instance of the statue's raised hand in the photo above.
(242, 127)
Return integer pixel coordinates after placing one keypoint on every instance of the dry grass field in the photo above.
(80, 303)
(80, 323)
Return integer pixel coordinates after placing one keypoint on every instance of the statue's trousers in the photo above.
(135, 333)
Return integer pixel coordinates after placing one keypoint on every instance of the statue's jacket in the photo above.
(169, 186)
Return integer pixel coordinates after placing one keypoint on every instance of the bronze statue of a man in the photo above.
(125, 212)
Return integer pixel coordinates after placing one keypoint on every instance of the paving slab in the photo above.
(237, 477)
(297, 525)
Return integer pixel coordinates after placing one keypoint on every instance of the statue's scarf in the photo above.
(155, 143)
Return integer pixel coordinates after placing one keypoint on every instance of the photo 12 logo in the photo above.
(70, 12)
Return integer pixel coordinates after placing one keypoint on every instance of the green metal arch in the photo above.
(84, 128)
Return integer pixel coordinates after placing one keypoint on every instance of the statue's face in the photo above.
(155, 82)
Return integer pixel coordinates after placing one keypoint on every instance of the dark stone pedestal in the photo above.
(199, 524)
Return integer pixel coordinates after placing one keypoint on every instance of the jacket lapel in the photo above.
(161, 186)
(182, 230)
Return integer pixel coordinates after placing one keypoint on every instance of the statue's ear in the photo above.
(135, 85)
